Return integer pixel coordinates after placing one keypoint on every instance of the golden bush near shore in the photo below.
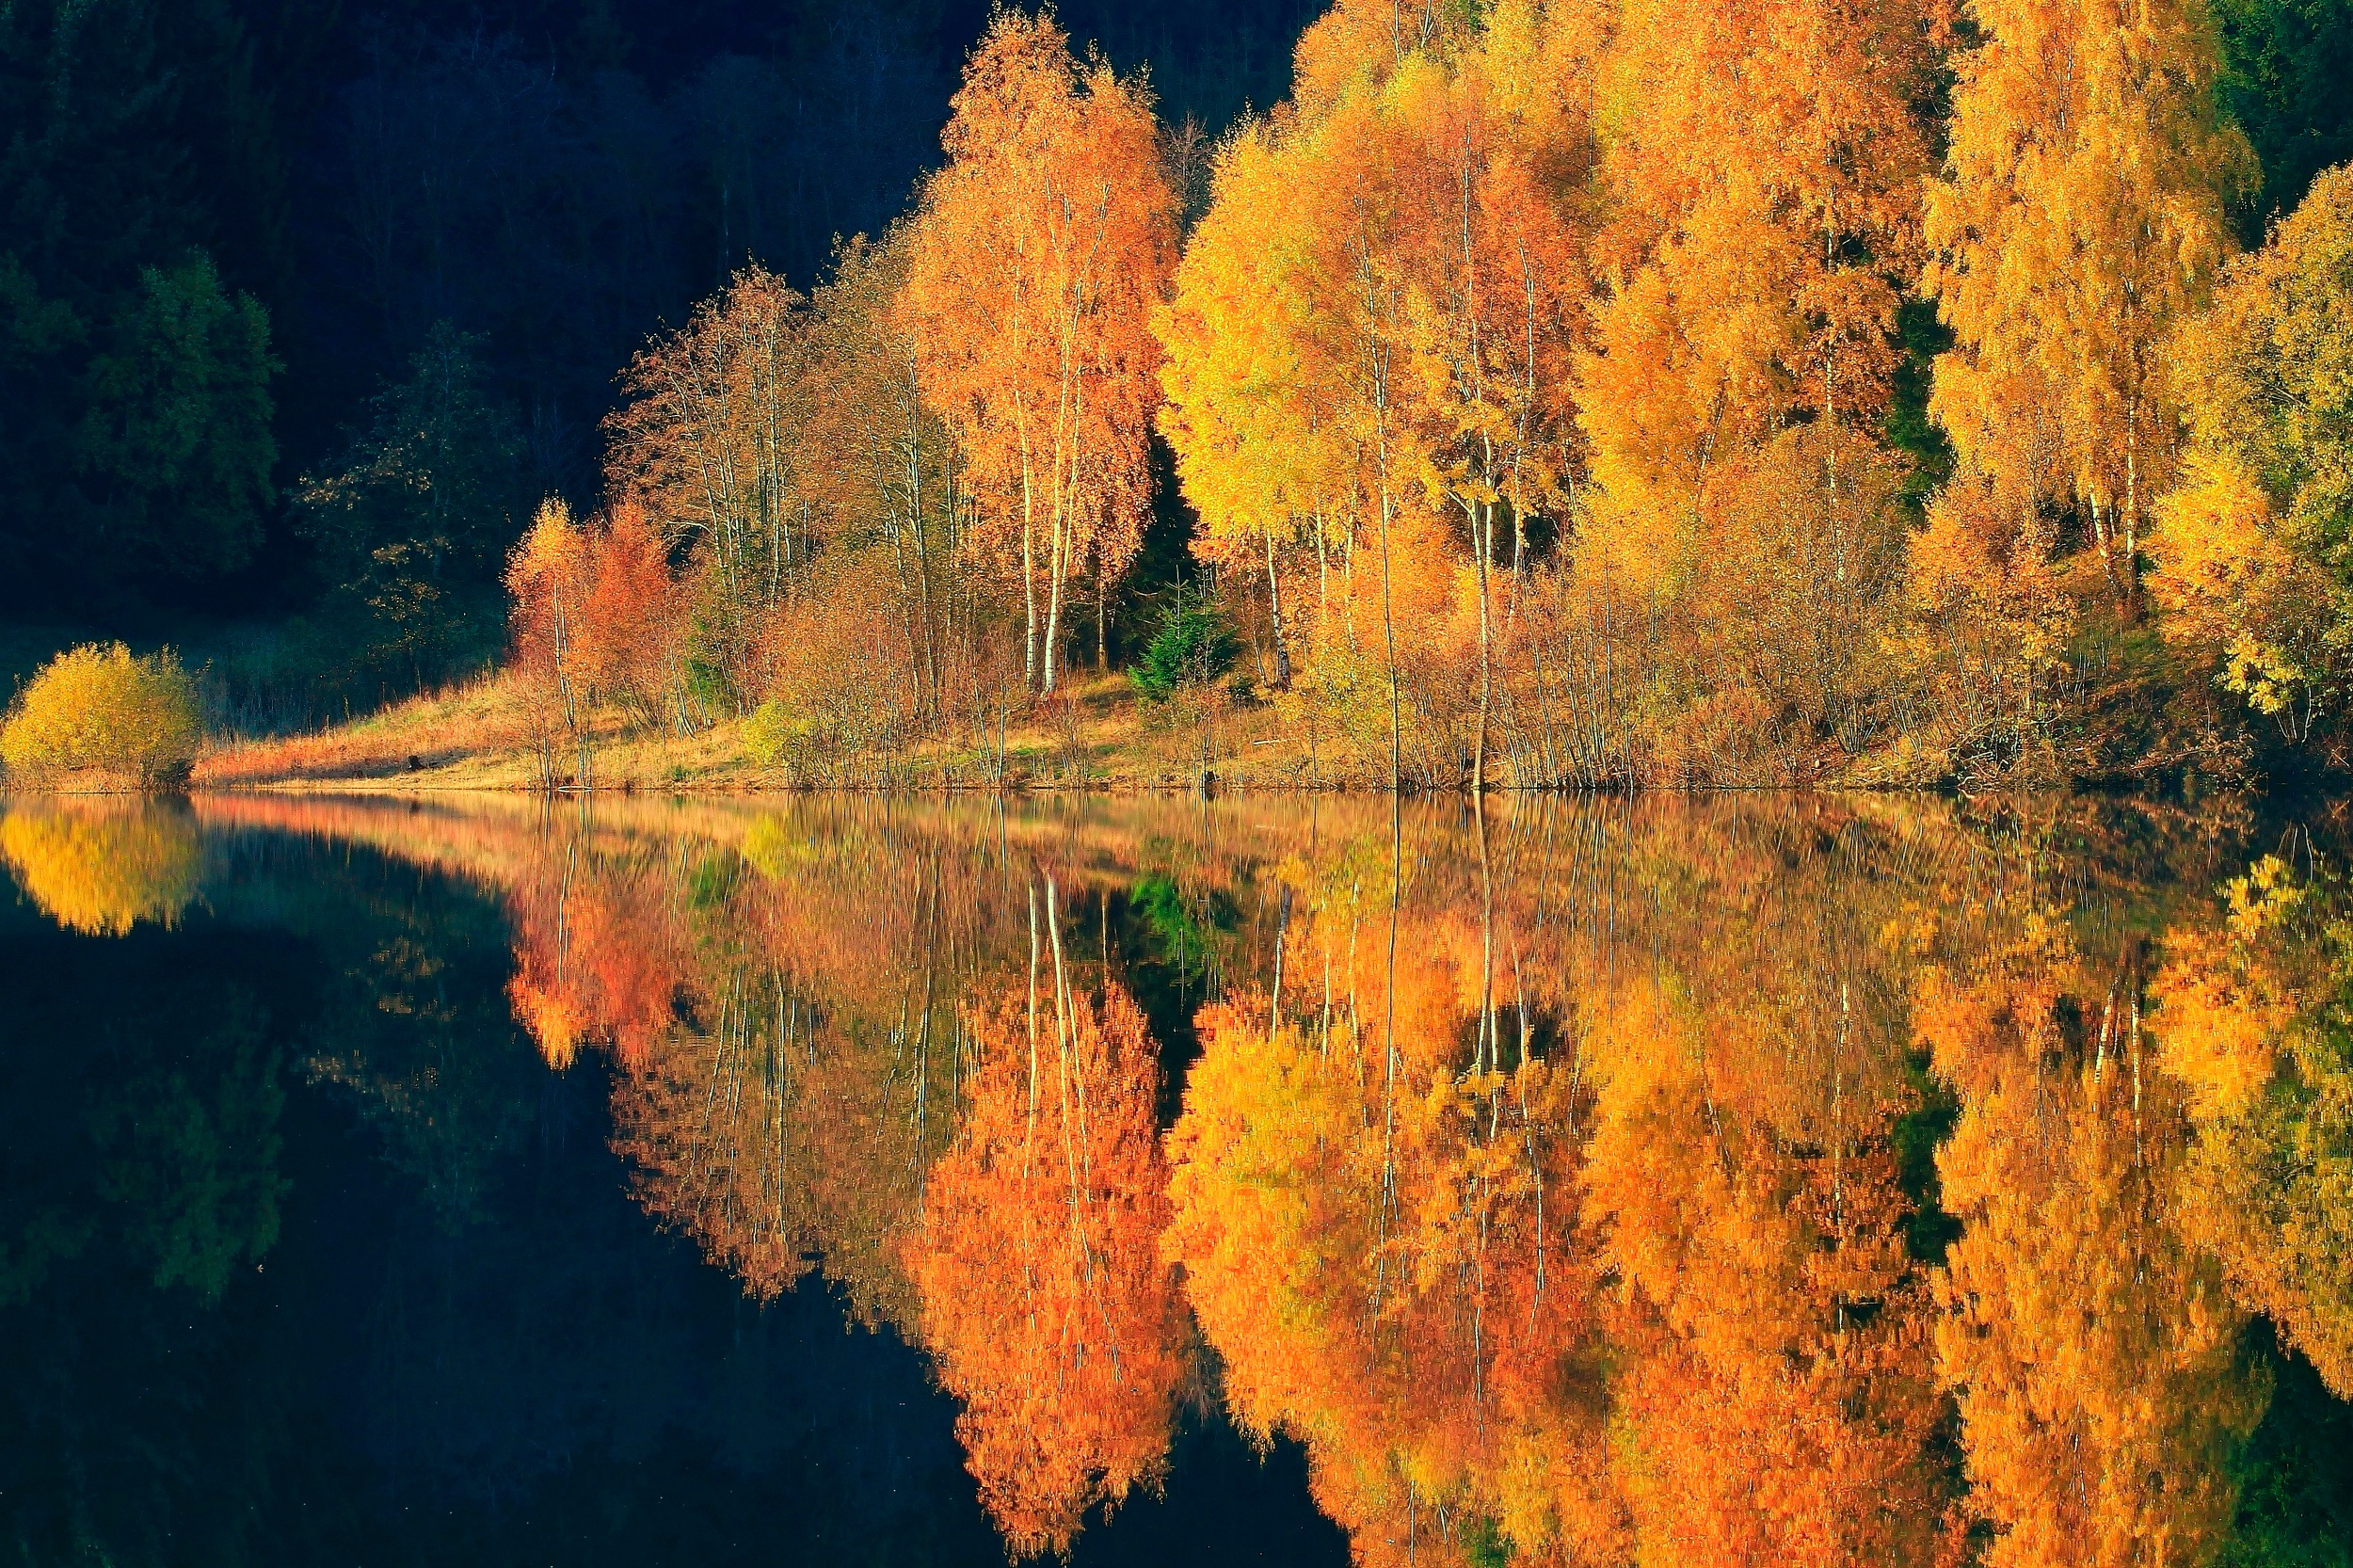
(96, 711)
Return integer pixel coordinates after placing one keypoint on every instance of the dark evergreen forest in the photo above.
(251, 250)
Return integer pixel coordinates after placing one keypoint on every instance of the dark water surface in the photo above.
(1744, 1181)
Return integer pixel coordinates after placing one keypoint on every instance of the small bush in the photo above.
(773, 734)
(1195, 645)
(96, 713)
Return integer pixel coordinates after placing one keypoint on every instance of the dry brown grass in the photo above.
(1095, 737)
(430, 732)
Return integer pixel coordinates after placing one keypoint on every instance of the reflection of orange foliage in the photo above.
(1553, 1205)
(1604, 1260)
(594, 960)
(2249, 1007)
(99, 867)
(1773, 1341)
(2093, 1352)
(1042, 1295)
(1379, 1237)
(2221, 1018)
(1773, 1388)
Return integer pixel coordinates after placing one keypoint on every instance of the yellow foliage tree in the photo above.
(96, 713)
(2082, 213)
(2250, 548)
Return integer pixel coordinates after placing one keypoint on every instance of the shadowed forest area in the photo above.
(252, 249)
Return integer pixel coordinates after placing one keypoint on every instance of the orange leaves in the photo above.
(2250, 1001)
(1042, 1295)
(1766, 187)
(2222, 1018)
(631, 631)
(594, 963)
(596, 612)
(2092, 1350)
(1551, 1174)
(2080, 213)
(546, 576)
(1038, 255)
(1380, 1250)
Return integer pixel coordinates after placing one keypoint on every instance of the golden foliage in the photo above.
(99, 869)
(2092, 1345)
(1042, 1294)
(2081, 214)
(1560, 1177)
(96, 711)
(2251, 1028)
(2247, 546)
(1037, 258)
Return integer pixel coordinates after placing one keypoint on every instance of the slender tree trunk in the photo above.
(1388, 630)
(1274, 612)
(2100, 536)
(1057, 573)
(1029, 574)
(1483, 542)
(2132, 501)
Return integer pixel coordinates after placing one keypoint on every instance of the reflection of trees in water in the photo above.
(141, 1183)
(2255, 1016)
(99, 865)
(1040, 1288)
(1557, 1209)
(2093, 1350)
(1558, 1178)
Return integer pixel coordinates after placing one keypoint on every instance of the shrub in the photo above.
(773, 734)
(1195, 645)
(95, 711)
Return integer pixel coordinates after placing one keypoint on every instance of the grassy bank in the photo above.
(2131, 717)
(1100, 735)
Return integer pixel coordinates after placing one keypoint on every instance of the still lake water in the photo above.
(1752, 1180)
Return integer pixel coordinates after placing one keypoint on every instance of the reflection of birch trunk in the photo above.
(1031, 1137)
(1388, 1061)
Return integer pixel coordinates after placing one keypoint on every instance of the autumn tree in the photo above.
(1038, 254)
(1367, 348)
(548, 579)
(2250, 546)
(1763, 228)
(896, 482)
(98, 714)
(631, 642)
(711, 444)
(2082, 212)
